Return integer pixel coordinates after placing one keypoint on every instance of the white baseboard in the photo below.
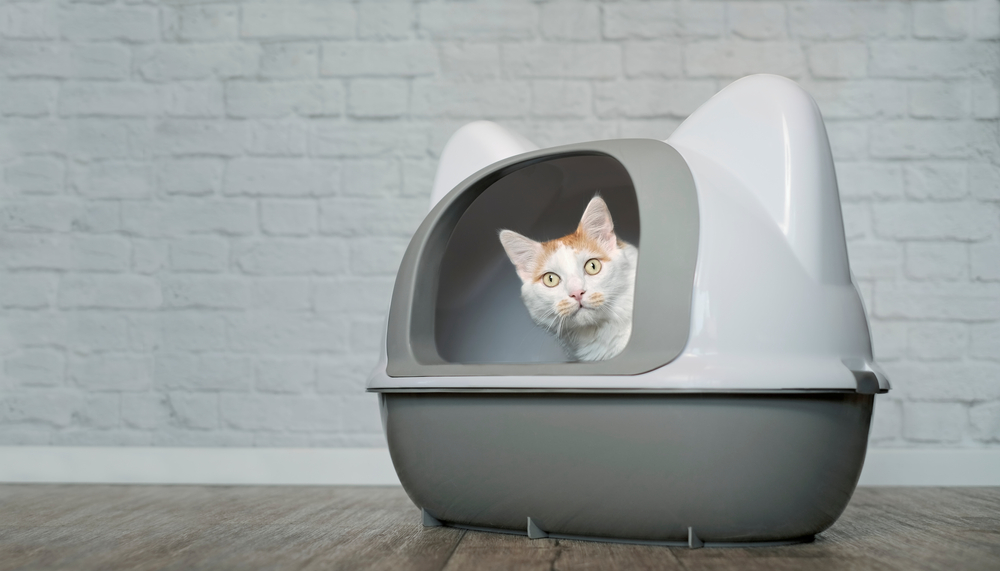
(372, 466)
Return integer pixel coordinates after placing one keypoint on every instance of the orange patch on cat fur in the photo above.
(564, 307)
(596, 298)
(577, 241)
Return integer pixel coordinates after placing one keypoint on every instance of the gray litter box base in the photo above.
(693, 541)
(742, 469)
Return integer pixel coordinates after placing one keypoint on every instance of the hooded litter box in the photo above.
(739, 410)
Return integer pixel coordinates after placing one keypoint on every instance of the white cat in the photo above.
(581, 286)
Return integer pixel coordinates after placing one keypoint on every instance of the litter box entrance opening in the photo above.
(479, 314)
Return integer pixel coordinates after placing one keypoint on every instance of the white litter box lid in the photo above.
(743, 281)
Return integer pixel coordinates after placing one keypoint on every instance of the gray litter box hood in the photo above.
(456, 307)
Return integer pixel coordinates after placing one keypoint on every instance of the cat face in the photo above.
(575, 281)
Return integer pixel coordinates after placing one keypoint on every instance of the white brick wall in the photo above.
(202, 205)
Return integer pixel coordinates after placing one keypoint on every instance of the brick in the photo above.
(938, 341)
(647, 128)
(985, 341)
(940, 20)
(194, 99)
(29, 21)
(931, 139)
(203, 372)
(291, 333)
(985, 101)
(367, 334)
(371, 177)
(479, 22)
(985, 20)
(289, 60)
(35, 175)
(936, 181)
(96, 331)
(572, 60)
(281, 294)
(363, 140)
(289, 256)
(470, 60)
(345, 374)
(386, 20)
(276, 20)
(398, 59)
(65, 252)
(100, 410)
(189, 437)
(353, 295)
(28, 98)
(887, 421)
(208, 292)
(194, 176)
(560, 98)
(172, 62)
(199, 254)
(108, 292)
(148, 256)
(111, 372)
(934, 422)
(281, 412)
(41, 59)
(932, 100)
(985, 420)
(189, 216)
(99, 217)
(370, 217)
(554, 133)
(133, 24)
(840, 60)
(985, 261)
(947, 301)
(145, 410)
(191, 331)
(294, 375)
(653, 59)
(109, 99)
(663, 20)
(26, 291)
(873, 260)
(199, 137)
(984, 181)
(947, 261)
(114, 180)
(857, 221)
(201, 23)
(947, 221)
(39, 215)
(737, 58)
(91, 437)
(195, 410)
(309, 99)
(757, 20)
(288, 217)
(858, 181)
(418, 177)
(376, 256)
(651, 98)
(925, 60)
(277, 138)
(570, 21)
(837, 20)
(282, 177)
(378, 98)
(36, 368)
(858, 99)
(936, 381)
(446, 98)
(361, 414)
(50, 407)
(889, 339)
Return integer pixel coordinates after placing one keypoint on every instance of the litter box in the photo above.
(739, 411)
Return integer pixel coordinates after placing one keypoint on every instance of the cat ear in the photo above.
(597, 225)
(523, 252)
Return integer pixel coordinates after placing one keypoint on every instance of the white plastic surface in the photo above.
(774, 304)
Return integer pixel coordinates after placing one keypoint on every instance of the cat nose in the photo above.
(577, 295)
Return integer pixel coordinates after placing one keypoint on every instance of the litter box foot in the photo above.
(428, 520)
(535, 532)
(693, 541)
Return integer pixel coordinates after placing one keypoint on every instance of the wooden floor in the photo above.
(202, 527)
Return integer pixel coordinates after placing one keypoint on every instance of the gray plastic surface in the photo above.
(436, 328)
(735, 467)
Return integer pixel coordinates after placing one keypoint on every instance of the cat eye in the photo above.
(550, 279)
(592, 266)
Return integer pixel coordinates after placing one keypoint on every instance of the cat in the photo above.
(579, 287)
